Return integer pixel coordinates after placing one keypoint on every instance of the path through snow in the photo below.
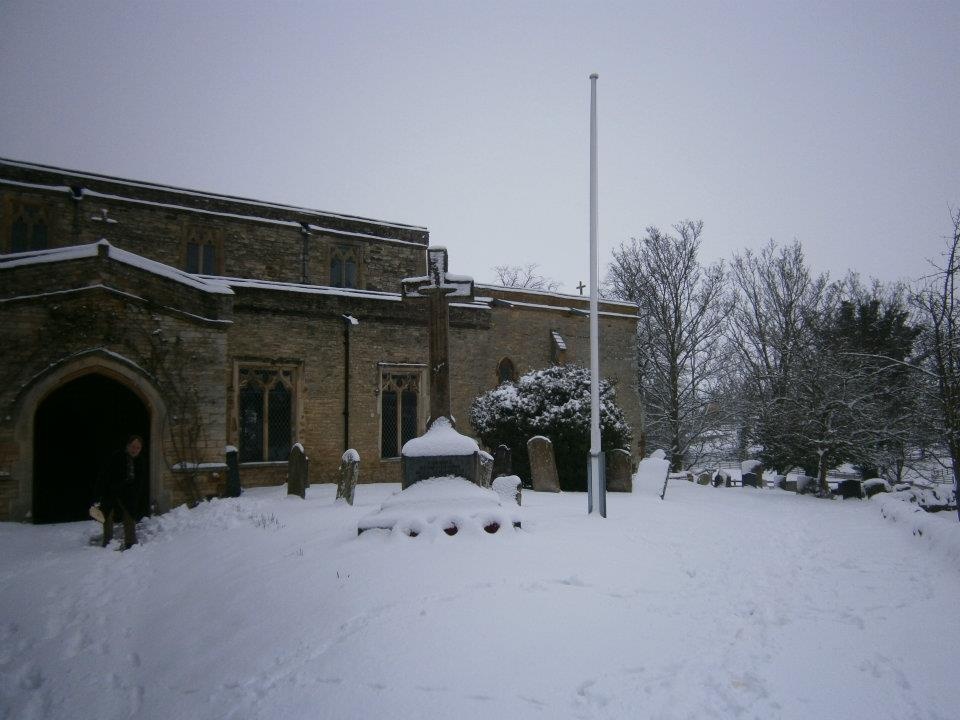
(718, 602)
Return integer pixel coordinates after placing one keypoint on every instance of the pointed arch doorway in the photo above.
(76, 427)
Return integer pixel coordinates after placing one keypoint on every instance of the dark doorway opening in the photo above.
(76, 429)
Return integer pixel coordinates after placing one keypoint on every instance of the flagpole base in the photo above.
(597, 485)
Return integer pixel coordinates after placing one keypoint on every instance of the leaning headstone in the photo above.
(619, 476)
(233, 472)
(508, 488)
(850, 489)
(298, 469)
(349, 472)
(543, 466)
(502, 461)
(485, 474)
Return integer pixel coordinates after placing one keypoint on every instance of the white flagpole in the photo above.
(596, 503)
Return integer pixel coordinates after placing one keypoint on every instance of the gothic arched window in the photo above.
(265, 413)
(28, 228)
(399, 411)
(345, 266)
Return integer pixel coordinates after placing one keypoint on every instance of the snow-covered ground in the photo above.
(715, 603)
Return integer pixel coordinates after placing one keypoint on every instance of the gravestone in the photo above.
(722, 478)
(751, 473)
(486, 469)
(349, 473)
(874, 486)
(298, 471)
(850, 489)
(502, 461)
(543, 466)
(233, 472)
(508, 487)
(619, 477)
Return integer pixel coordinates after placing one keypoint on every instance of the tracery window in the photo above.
(345, 266)
(399, 411)
(203, 251)
(28, 227)
(265, 405)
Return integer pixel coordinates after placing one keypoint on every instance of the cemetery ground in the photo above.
(714, 603)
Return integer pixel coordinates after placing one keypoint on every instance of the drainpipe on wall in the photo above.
(348, 322)
(305, 234)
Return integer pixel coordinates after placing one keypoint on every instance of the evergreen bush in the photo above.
(554, 402)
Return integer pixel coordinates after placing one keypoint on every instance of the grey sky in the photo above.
(834, 123)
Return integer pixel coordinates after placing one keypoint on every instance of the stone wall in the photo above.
(254, 239)
(121, 327)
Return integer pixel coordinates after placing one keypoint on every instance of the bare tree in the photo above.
(938, 307)
(525, 276)
(773, 325)
(682, 310)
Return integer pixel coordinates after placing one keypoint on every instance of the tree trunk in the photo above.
(823, 486)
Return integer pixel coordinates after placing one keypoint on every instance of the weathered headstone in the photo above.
(349, 473)
(543, 466)
(486, 469)
(502, 461)
(850, 489)
(298, 470)
(619, 477)
(508, 487)
(233, 472)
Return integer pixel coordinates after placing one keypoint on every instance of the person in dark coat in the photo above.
(119, 489)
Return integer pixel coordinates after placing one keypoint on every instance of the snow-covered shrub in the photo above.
(554, 402)
(930, 497)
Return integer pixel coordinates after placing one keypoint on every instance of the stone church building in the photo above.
(202, 321)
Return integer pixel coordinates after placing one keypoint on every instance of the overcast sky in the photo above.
(837, 124)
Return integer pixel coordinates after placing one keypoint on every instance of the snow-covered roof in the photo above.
(103, 247)
(495, 301)
(305, 288)
(192, 193)
(579, 299)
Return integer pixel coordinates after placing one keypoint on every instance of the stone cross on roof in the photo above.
(439, 287)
